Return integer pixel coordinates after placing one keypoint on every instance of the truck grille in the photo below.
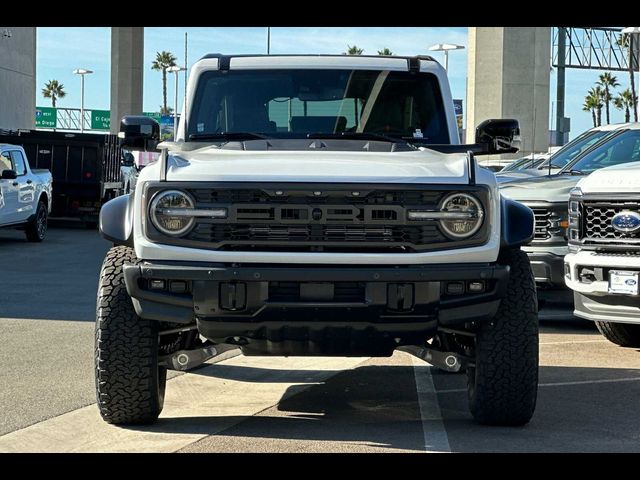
(320, 218)
(543, 222)
(597, 221)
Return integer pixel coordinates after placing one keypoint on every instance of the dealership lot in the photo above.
(588, 387)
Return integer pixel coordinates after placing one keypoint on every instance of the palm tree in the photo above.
(597, 95)
(166, 110)
(353, 50)
(624, 101)
(590, 106)
(607, 81)
(163, 61)
(626, 42)
(53, 90)
(385, 51)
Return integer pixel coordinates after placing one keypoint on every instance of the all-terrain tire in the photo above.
(37, 228)
(503, 383)
(129, 384)
(623, 334)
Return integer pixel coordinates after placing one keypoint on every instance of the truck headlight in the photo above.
(460, 215)
(170, 212)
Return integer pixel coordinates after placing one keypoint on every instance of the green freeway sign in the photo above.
(100, 120)
(46, 117)
(156, 116)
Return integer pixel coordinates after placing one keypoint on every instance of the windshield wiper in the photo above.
(227, 136)
(359, 136)
(574, 172)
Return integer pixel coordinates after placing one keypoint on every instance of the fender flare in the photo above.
(116, 220)
(517, 223)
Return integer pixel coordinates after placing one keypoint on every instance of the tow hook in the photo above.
(449, 361)
(187, 359)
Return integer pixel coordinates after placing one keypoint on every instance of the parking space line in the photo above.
(435, 435)
(197, 405)
(574, 341)
(561, 384)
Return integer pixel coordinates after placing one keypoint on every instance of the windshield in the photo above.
(572, 149)
(621, 148)
(522, 164)
(296, 103)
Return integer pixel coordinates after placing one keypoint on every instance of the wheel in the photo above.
(503, 384)
(129, 384)
(37, 228)
(623, 334)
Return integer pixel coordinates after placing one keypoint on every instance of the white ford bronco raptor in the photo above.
(317, 205)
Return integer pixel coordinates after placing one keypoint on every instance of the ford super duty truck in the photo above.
(25, 194)
(603, 266)
(317, 205)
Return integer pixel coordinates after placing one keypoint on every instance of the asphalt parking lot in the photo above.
(586, 402)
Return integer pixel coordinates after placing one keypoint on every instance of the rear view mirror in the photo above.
(499, 135)
(9, 175)
(138, 132)
(127, 160)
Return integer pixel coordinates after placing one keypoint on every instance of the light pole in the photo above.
(82, 72)
(175, 69)
(268, 40)
(445, 47)
(633, 31)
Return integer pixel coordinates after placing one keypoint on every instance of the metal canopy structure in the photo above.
(588, 48)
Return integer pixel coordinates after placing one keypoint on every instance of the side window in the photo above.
(18, 162)
(5, 162)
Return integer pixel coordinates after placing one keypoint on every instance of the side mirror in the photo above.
(127, 160)
(500, 136)
(9, 175)
(138, 132)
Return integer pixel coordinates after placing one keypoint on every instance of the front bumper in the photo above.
(398, 304)
(547, 264)
(591, 296)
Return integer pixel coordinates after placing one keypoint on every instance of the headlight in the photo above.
(470, 216)
(171, 212)
(460, 215)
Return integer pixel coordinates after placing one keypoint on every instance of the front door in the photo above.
(8, 193)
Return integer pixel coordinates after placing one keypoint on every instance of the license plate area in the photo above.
(623, 281)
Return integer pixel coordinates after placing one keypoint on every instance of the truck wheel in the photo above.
(129, 384)
(37, 228)
(503, 384)
(623, 334)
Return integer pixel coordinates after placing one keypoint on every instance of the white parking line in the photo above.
(574, 341)
(196, 405)
(435, 435)
(562, 384)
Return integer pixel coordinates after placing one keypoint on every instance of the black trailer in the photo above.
(85, 168)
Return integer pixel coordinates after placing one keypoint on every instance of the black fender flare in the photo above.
(517, 223)
(116, 220)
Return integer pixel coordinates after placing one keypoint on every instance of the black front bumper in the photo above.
(270, 307)
(548, 269)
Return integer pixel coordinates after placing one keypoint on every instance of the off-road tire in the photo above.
(503, 383)
(129, 384)
(623, 334)
(37, 228)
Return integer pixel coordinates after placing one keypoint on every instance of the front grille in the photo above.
(597, 226)
(342, 292)
(320, 218)
(543, 223)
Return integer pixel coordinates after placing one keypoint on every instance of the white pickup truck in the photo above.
(317, 205)
(25, 194)
(603, 266)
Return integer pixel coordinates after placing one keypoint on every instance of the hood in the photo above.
(547, 189)
(616, 179)
(421, 166)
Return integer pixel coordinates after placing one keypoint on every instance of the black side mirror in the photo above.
(127, 160)
(9, 175)
(500, 136)
(138, 132)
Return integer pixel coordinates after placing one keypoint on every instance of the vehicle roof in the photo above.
(616, 126)
(318, 56)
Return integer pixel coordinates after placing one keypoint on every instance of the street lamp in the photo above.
(445, 47)
(633, 31)
(82, 72)
(175, 69)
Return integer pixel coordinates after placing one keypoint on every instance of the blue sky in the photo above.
(61, 50)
